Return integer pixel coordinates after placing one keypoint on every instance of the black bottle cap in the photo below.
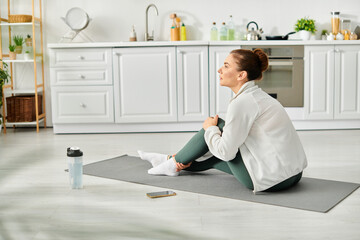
(74, 152)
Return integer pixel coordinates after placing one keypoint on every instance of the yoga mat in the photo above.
(309, 194)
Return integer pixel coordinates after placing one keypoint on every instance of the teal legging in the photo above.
(197, 147)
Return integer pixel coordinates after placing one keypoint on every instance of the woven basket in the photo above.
(22, 108)
(20, 18)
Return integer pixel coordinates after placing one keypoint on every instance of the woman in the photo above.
(257, 144)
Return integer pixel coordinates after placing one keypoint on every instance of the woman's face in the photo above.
(228, 73)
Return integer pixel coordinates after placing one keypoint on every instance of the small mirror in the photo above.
(77, 19)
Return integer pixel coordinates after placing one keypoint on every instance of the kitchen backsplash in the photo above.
(112, 19)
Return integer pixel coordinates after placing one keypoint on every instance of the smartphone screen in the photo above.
(161, 194)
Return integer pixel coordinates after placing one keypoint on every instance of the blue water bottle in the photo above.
(75, 165)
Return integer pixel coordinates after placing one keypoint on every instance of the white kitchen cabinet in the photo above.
(82, 104)
(69, 57)
(219, 96)
(319, 82)
(332, 82)
(145, 84)
(192, 81)
(81, 86)
(347, 82)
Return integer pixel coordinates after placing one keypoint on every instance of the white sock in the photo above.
(167, 168)
(154, 158)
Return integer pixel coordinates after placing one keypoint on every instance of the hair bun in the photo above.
(264, 60)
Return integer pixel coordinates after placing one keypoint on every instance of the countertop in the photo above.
(201, 43)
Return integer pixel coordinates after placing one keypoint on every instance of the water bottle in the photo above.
(75, 165)
(231, 29)
(223, 32)
(214, 32)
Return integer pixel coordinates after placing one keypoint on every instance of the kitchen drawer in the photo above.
(81, 76)
(70, 57)
(92, 104)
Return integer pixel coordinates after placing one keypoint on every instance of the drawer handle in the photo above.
(81, 76)
(82, 105)
(81, 57)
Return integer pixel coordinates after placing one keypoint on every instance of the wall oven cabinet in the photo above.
(284, 79)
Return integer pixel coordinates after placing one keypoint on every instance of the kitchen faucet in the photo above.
(147, 36)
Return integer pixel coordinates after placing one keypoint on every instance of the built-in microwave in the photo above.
(284, 79)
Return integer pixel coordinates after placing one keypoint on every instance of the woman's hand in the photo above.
(210, 121)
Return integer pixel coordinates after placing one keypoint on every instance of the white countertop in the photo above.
(201, 43)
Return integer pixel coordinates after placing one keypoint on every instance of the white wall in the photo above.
(112, 19)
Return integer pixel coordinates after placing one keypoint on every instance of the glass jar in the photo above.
(346, 27)
(335, 22)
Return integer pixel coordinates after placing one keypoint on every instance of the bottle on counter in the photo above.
(231, 29)
(353, 36)
(223, 32)
(183, 32)
(132, 37)
(175, 28)
(214, 32)
(335, 22)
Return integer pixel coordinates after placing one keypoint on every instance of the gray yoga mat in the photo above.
(309, 194)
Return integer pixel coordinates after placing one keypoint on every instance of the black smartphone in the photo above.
(161, 194)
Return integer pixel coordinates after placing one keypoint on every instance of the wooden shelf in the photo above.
(23, 91)
(9, 124)
(37, 24)
(38, 59)
(14, 65)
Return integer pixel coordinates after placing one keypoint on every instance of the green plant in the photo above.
(324, 32)
(305, 24)
(4, 78)
(18, 40)
(12, 48)
(27, 51)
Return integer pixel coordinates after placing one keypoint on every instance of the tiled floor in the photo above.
(36, 202)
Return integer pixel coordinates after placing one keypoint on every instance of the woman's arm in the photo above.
(210, 121)
(240, 117)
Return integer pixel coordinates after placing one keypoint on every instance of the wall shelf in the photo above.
(38, 59)
(37, 24)
(38, 79)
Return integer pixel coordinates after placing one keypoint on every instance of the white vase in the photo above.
(305, 35)
(27, 56)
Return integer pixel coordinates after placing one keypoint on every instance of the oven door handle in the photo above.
(281, 63)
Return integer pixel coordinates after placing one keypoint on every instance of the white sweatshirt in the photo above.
(258, 126)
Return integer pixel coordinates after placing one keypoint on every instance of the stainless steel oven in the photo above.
(284, 79)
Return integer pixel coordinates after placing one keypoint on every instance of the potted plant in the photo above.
(4, 78)
(305, 27)
(12, 53)
(324, 33)
(19, 41)
(27, 55)
(28, 41)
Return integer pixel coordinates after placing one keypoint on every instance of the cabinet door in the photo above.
(347, 82)
(192, 75)
(145, 84)
(319, 82)
(86, 104)
(219, 96)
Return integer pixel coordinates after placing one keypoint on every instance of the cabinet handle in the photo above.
(81, 57)
(81, 76)
(82, 105)
(337, 50)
